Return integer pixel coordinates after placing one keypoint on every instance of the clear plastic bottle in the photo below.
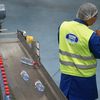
(7, 98)
(24, 75)
(39, 86)
(26, 61)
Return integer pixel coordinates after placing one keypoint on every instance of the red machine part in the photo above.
(4, 78)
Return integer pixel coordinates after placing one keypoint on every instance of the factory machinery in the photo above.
(13, 86)
(19, 58)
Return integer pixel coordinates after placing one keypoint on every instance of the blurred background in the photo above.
(41, 18)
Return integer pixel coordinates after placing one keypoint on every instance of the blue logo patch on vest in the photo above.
(72, 38)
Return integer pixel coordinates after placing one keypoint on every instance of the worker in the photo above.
(79, 47)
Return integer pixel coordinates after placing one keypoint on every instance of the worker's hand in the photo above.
(98, 32)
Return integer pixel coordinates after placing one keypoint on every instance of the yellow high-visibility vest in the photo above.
(74, 54)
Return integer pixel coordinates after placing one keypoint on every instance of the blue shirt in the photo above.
(77, 88)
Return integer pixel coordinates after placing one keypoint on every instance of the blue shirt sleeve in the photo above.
(94, 45)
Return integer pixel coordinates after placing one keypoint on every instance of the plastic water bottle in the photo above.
(39, 86)
(24, 75)
(7, 98)
(26, 61)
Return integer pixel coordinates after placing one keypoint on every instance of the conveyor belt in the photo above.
(12, 50)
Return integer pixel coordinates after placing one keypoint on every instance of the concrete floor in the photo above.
(41, 19)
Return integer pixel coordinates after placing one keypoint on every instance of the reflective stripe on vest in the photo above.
(66, 63)
(75, 55)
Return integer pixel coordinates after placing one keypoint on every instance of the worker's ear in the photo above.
(98, 32)
(91, 21)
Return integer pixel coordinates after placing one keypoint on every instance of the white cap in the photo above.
(87, 11)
